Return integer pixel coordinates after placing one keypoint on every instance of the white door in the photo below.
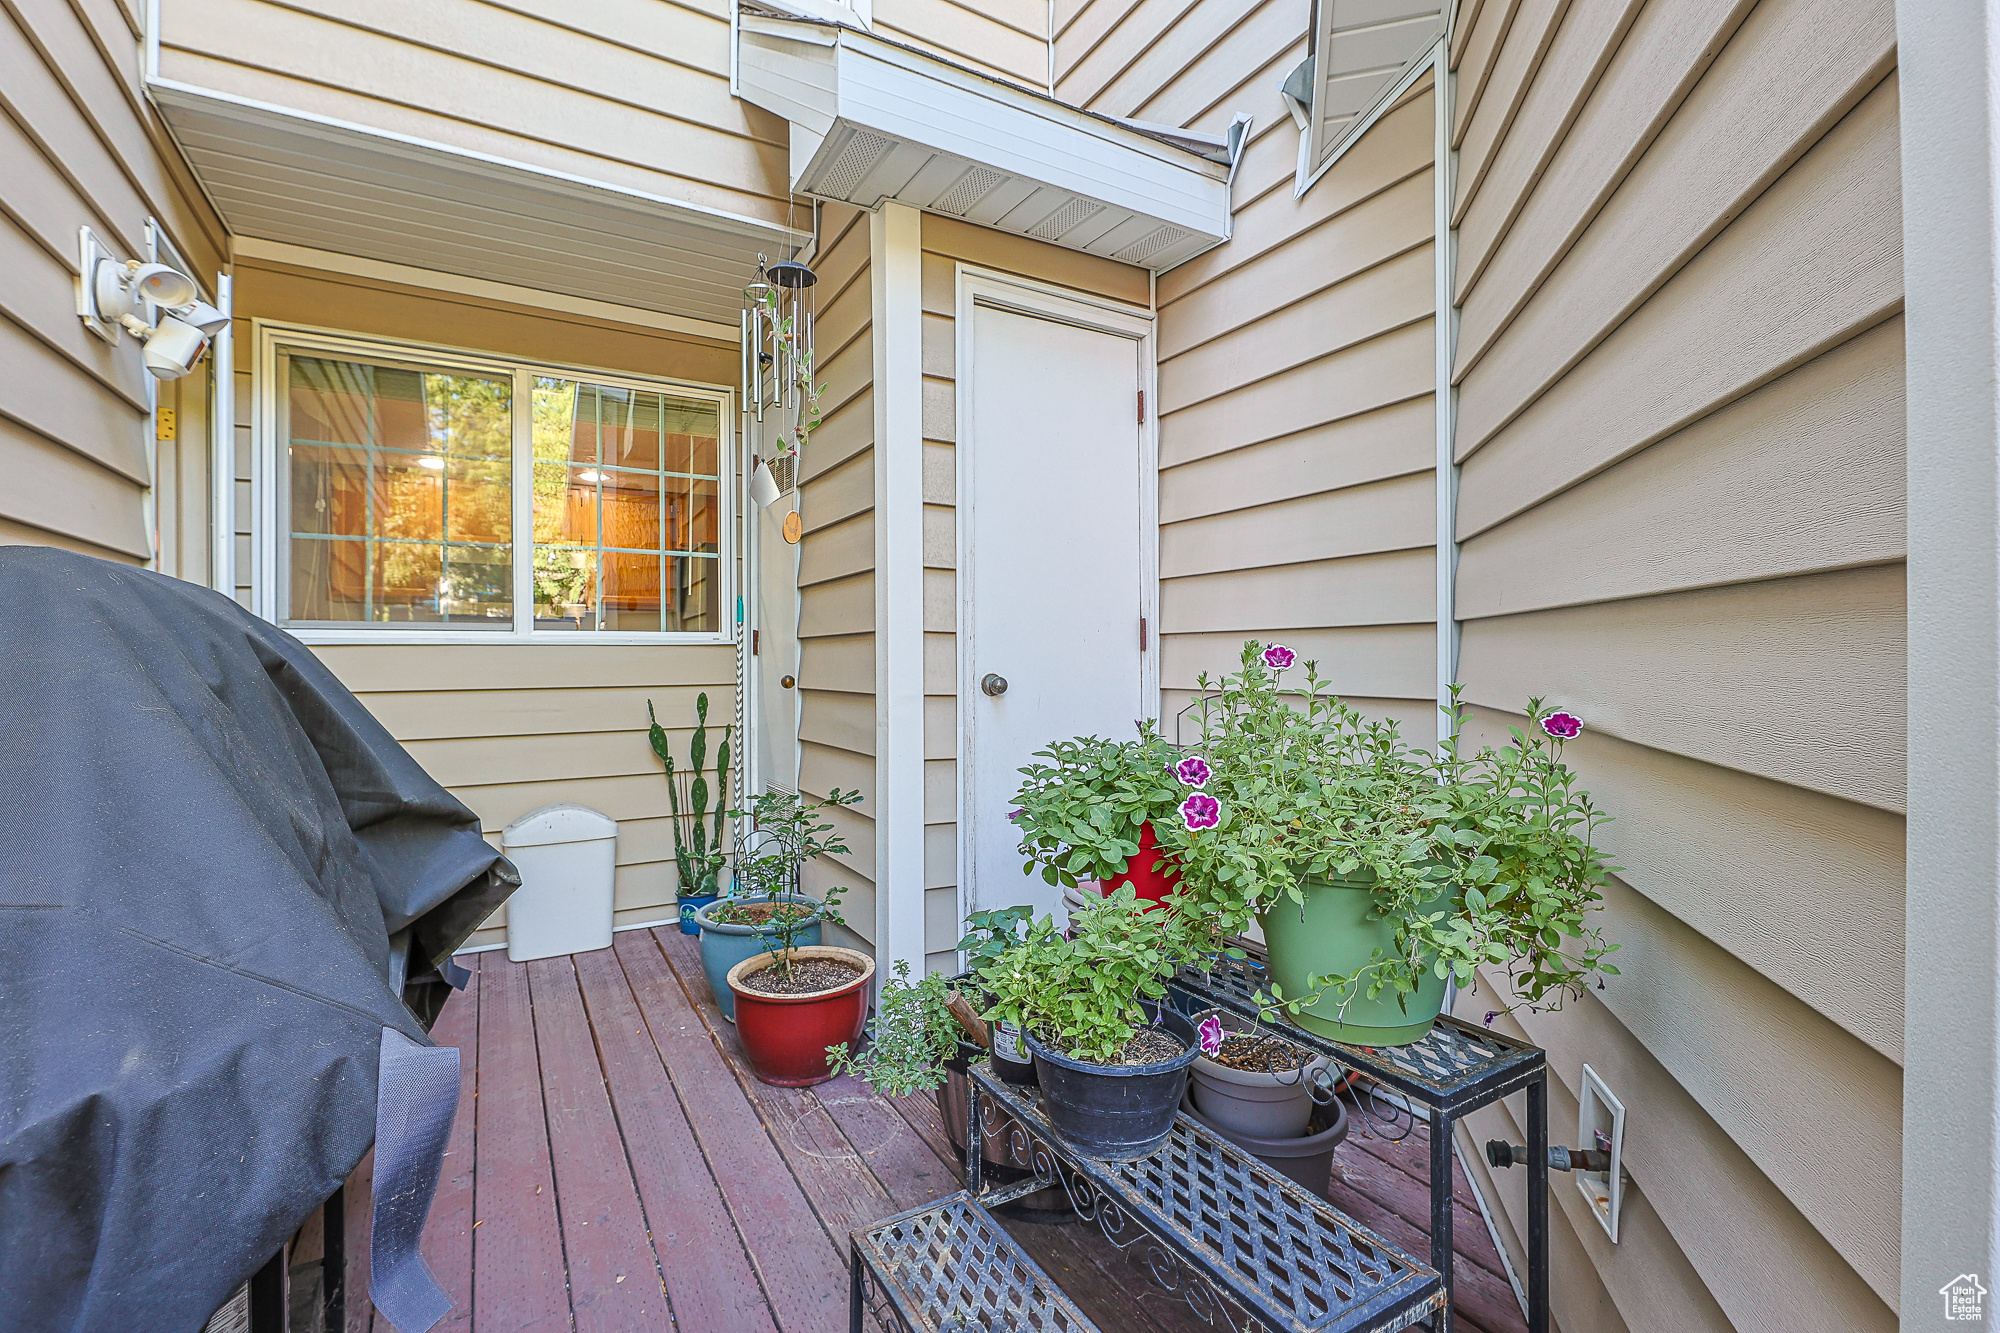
(774, 662)
(1055, 573)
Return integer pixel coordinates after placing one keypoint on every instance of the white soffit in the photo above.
(874, 121)
(1362, 50)
(278, 175)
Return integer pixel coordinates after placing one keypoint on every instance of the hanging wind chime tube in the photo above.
(780, 327)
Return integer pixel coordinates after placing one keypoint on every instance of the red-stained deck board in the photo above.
(358, 1209)
(921, 1111)
(843, 1191)
(614, 1280)
(906, 1166)
(803, 1275)
(709, 1278)
(448, 1238)
(517, 1254)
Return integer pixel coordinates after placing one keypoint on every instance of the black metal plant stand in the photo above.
(1456, 1069)
(1245, 1246)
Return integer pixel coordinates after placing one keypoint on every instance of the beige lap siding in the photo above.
(79, 146)
(1680, 373)
(837, 570)
(1296, 419)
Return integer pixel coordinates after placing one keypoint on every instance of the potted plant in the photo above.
(784, 832)
(1112, 1061)
(698, 856)
(1248, 1079)
(988, 935)
(1378, 871)
(1089, 812)
(792, 999)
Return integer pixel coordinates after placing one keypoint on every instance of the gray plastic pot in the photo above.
(1307, 1159)
(724, 945)
(1263, 1105)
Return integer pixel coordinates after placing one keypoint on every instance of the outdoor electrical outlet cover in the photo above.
(90, 254)
(1600, 1124)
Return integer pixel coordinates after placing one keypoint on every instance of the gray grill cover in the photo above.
(206, 844)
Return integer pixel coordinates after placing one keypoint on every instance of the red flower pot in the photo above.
(786, 1036)
(1149, 872)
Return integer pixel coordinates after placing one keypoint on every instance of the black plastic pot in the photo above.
(1116, 1112)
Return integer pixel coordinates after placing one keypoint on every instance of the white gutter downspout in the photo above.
(1444, 163)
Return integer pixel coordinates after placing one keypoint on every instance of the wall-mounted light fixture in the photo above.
(114, 295)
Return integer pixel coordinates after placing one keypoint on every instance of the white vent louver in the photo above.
(964, 196)
(1072, 214)
(857, 158)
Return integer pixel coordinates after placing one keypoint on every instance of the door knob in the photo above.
(994, 685)
(788, 681)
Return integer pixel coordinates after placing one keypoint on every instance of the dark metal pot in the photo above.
(1116, 1112)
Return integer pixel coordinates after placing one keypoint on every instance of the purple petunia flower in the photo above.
(1200, 811)
(1211, 1035)
(1193, 771)
(1563, 726)
(1278, 657)
(1491, 1014)
(1014, 816)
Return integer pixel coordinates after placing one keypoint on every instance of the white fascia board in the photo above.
(1083, 156)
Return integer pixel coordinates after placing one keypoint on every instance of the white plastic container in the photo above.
(568, 859)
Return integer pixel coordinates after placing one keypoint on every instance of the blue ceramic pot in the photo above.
(689, 906)
(723, 946)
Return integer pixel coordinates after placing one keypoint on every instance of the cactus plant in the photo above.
(698, 852)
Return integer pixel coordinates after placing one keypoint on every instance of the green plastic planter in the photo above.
(1335, 933)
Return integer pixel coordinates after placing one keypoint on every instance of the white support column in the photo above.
(1443, 162)
(222, 449)
(895, 242)
(1951, 1015)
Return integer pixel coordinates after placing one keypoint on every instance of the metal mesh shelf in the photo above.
(947, 1267)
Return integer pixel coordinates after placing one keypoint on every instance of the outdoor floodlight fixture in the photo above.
(114, 294)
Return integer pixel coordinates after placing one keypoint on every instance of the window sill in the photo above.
(316, 638)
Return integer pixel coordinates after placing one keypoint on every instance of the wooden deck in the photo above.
(615, 1167)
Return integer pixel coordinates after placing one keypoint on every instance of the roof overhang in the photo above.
(873, 121)
(282, 175)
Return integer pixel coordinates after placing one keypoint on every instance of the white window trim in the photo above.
(267, 543)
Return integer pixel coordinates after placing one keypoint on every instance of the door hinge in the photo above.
(756, 641)
(1142, 407)
(1142, 634)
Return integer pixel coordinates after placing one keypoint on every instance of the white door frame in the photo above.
(976, 287)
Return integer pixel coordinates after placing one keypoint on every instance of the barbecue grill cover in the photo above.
(206, 847)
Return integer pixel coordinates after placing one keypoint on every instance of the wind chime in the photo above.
(778, 348)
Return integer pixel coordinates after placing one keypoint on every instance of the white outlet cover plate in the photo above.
(1598, 1110)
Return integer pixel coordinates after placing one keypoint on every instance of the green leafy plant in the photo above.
(699, 857)
(793, 441)
(988, 935)
(913, 1034)
(1480, 860)
(785, 832)
(1079, 814)
(1081, 995)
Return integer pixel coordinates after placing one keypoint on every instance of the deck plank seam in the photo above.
(548, 1139)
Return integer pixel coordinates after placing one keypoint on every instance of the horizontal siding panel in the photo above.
(1584, 46)
(846, 606)
(56, 398)
(1799, 680)
(1396, 148)
(1382, 516)
(1782, 75)
(843, 721)
(987, 248)
(1805, 888)
(1372, 232)
(1506, 87)
(1395, 661)
(472, 714)
(1392, 589)
(940, 410)
(1757, 1253)
(1701, 507)
(845, 664)
(1812, 263)
(838, 549)
(837, 495)
(474, 761)
(51, 488)
(846, 433)
(389, 668)
(1386, 443)
(940, 537)
(1385, 370)
(1388, 296)
(1663, 56)
(940, 484)
(29, 534)
(1205, 32)
(1475, 49)
(633, 796)
(1256, 52)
